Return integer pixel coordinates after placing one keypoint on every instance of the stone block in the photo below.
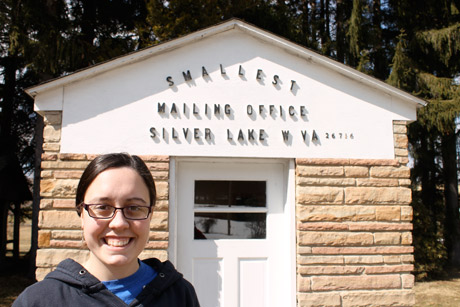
(408, 281)
(47, 258)
(157, 245)
(388, 269)
(335, 213)
(72, 157)
(52, 219)
(388, 213)
(157, 253)
(159, 236)
(44, 238)
(162, 188)
(379, 226)
(158, 166)
(322, 161)
(51, 147)
(406, 213)
(312, 238)
(356, 171)
(75, 235)
(406, 238)
(160, 175)
(68, 174)
(394, 298)
(64, 203)
(320, 171)
(387, 238)
(154, 158)
(52, 133)
(64, 165)
(382, 195)
(407, 258)
(58, 188)
(303, 284)
(319, 195)
(319, 181)
(321, 226)
(67, 244)
(46, 203)
(49, 156)
(52, 117)
(161, 205)
(319, 300)
(362, 282)
(325, 260)
(369, 250)
(401, 141)
(47, 174)
(377, 182)
(159, 221)
(330, 270)
(401, 152)
(40, 273)
(393, 259)
(363, 259)
(402, 172)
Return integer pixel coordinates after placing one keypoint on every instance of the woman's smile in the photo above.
(117, 242)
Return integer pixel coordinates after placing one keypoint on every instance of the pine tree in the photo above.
(426, 64)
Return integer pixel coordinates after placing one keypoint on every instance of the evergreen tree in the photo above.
(426, 63)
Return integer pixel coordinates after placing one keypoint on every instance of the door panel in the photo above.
(231, 233)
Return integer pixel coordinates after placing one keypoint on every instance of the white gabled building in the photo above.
(281, 173)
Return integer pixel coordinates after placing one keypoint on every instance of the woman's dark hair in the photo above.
(114, 160)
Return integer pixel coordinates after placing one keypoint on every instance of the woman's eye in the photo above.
(102, 207)
(134, 208)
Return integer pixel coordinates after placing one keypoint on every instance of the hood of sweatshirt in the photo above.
(75, 275)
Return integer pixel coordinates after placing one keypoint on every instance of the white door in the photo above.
(233, 239)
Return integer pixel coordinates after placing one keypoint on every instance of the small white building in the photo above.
(282, 174)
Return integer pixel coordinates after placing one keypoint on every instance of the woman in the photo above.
(115, 198)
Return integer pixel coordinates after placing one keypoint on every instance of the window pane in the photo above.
(230, 193)
(230, 225)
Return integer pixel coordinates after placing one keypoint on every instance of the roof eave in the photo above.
(254, 31)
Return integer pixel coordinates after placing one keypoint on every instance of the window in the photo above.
(230, 209)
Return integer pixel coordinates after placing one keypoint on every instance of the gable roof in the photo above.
(233, 24)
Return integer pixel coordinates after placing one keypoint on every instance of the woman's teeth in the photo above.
(116, 242)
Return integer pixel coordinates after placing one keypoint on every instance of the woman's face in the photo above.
(117, 242)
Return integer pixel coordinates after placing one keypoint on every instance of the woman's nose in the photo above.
(119, 220)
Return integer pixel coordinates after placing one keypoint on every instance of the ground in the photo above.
(444, 292)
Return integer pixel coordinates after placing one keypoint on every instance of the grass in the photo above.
(11, 287)
(444, 292)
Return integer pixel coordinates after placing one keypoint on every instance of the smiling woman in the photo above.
(115, 197)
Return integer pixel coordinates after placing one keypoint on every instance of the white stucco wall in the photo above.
(115, 110)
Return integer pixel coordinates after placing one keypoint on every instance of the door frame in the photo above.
(288, 199)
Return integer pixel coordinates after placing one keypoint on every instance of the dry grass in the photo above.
(445, 293)
(11, 287)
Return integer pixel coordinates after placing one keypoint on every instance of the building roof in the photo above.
(263, 35)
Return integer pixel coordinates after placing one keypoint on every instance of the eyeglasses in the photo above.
(107, 212)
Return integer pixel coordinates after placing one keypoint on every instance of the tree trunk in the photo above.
(378, 55)
(340, 36)
(452, 219)
(3, 229)
(16, 229)
(305, 23)
(36, 195)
